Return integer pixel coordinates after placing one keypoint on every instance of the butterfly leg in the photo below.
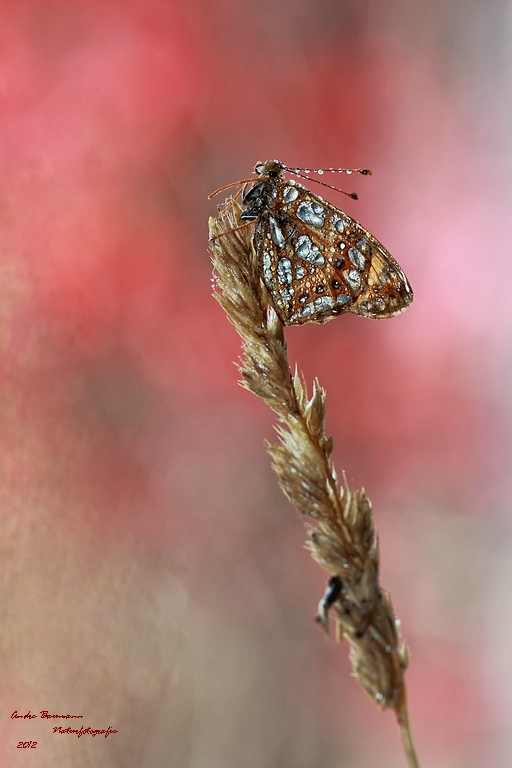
(229, 231)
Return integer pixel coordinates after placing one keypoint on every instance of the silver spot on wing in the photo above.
(277, 235)
(307, 310)
(353, 278)
(338, 224)
(306, 250)
(267, 272)
(284, 271)
(323, 303)
(311, 213)
(290, 194)
(357, 258)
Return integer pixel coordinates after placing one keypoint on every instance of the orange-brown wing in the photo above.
(386, 291)
(318, 262)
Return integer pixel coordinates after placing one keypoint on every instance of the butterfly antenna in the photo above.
(363, 171)
(352, 195)
(228, 186)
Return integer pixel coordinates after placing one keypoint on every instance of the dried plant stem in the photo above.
(343, 539)
(405, 732)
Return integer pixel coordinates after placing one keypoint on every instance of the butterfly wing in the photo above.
(386, 290)
(318, 262)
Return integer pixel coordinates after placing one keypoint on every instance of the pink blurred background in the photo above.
(153, 575)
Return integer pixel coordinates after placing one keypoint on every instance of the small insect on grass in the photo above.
(316, 261)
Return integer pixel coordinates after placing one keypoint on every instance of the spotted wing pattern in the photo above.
(319, 263)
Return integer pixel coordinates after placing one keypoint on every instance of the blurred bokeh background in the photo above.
(153, 577)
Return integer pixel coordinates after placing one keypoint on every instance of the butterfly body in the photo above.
(317, 262)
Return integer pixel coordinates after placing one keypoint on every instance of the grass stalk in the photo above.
(341, 538)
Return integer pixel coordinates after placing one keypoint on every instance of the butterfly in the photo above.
(317, 262)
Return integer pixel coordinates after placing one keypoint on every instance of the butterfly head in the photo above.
(272, 169)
